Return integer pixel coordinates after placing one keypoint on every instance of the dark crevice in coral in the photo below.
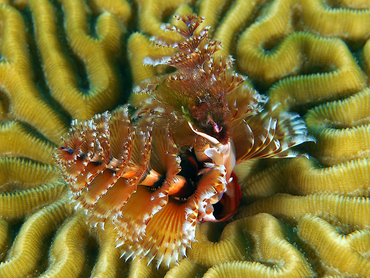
(269, 47)
(37, 67)
(338, 5)
(45, 246)
(4, 104)
(91, 249)
(75, 61)
(304, 248)
(124, 73)
(308, 68)
(358, 54)
(214, 233)
(36, 133)
(92, 21)
(133, 23)
(14, 227)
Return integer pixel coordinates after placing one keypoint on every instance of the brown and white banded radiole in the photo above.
(159, 170)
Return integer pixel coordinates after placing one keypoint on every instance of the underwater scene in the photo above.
(178, 138)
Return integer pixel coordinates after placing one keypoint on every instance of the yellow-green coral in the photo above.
(69, 59)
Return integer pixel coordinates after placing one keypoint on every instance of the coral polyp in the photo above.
(158, 169)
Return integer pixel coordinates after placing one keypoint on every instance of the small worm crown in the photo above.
(199, 88)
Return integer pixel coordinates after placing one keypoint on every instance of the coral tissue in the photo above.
(158, 169)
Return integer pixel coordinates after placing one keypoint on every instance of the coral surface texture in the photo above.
(64, 61)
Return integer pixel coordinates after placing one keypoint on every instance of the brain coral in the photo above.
(70, 59)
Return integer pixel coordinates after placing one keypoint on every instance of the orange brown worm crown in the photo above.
(158, 172)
